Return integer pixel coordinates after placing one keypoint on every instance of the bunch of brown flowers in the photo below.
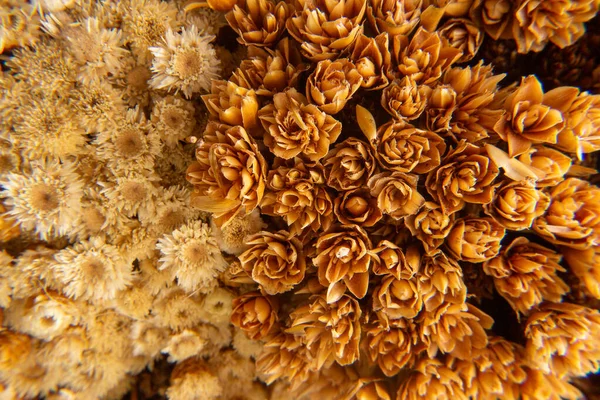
(384, 171)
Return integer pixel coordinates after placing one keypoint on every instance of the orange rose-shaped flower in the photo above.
(582, 124)
(397, 298)
(430, 225)
(494, 17)
(293, 127)
(343, 260)
(441, 282)
(232, 104)
(255, 314)
(403, 148)
(357, 206)
(552, 163)
(466, 175)
(332, 84)
(405, 99)
(573, 217)
(229, 172)
(525, 274)
(373, 60)
(275, 261)
(394, 17)
(475, 240)
(517, 204)
(432, 379)
(349, 165)
(259, 22)
(463, 35)
(396, 193)
(390, 259)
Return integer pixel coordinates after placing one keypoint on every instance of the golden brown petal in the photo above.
(396, 193)
(585, 264)
(255, 314)
(332, 84)
(232, 104)
(495, 17)
(463, 35)
(390, 259)
(582, 119)
(430, 225)
(397, 298)
(349, 165)
(432, 379)
(357, 206)
(259, 22)
(441, 283)
(552, 163)
(373, 60)
(394, 17)
(405, 99)
(475, 239)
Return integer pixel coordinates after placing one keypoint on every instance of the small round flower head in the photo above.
(97, 51)
(192, 379)
(206, 19)
(131, 193)
(177, 310)
(92, 270)
(46, 200)
(135, 302)
(20, 25)
(172, 211)
(97, 105)
(192, 255)
(217, 306)
(204, 340)
(185, 61)
(246, 347)
(132, 79)
(172, 163)
(130, 145)
(174, 119)
(232, 237)
(148, 339)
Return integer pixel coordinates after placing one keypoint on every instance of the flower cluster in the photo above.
(393, 180)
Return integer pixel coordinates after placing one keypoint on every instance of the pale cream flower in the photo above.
(174, 119)
(185, 61)
(131, 193)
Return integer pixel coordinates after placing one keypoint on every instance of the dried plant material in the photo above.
(275, 261)
(284, 356)
(525, 274)
(324, 28)
(563, 223)
(475, 240)
(229, 167)
(259, 22)
(349, 165)
(405, 99)
(373, 60)
(366, 122)
(430, 225)
(582, 121)
(231, 238)
(357, 206)
(432, 378)
(441, 283)
(331, 330)
(185, 61)
(332, 84)
(440, 108)
(495, 17)
(193, 379)
(376, 390)
(395, 299)
(513, 168)
(232, 104)
(343, 261)
(297, 194)
(255, 314)
(465, 176)
(390, 259)
(394, 17)
(174, 119)
(585, 265)
(294, 127)
(517, 204)
(403, 148)
(562, 339)
(463, 35)
(551, 164)
(396, 193)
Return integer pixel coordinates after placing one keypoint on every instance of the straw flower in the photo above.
(475, 240)
(397, 298)
(174, 119)
(432, 378)
(495, 17)
(405, 99)
(184, 61)
(430, 225)
(395, 18)
(259, 22)
(585, 265)
(275, 261)
(357, 206)
(582, 121)
(463, 35)
(441, 282)
(255, 314)
(552, 163)
(373, 60)
(396, 193)
(332, 84)
(349, 165)
(390, 259)
(525, 274)
(294, 127)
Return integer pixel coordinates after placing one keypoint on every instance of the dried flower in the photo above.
(259, 22)
(432, 378)
(495, 17)
(255, 314)
(463, 35)
(357, 206)
(397, 298)
(343, 261)
(525, 274)
(394, 17)
(294, 127)
(390, 259)
(275, 261)
(232, 104)
(430, 225)
(552, 163)
(373, 60)
(192, 379)
(441, 283)
(466, 175)
(582, 119)
(517, 204)
(585, 265)
(185, 61)
(440, 107)
(349, 165)
(571, 219)
(475, 239)
(405, 99)
(332, 84)
(174, 119)
(396, 193)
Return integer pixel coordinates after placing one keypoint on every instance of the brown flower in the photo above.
(552, 163)
(456, 329)
(332, 84)
(232, 104)
(495, 17)
(284, 357)
(332, 331)
(441, 282)
(582, 120)
(464, 35)
(393, 346)
(397, 298)
(539, 385)
(426, 57)
(297, 193)
(293, 127)
(525, 274)
(529, 119)
(373, 60)
(401, 147)
(405, 99)
(396, 193)
(349, 165)
(255, 314)
(440, 107)
(516, 204)
(343, 260)
(373, 390)
(451, 8)
(390, 259)
(573, 217)
(229, 172)
(357, 206)
(432, 379)
(394, 17)
(325, 28)
(259, 22)
(275, 261)
(467, 175)
(430, 225)
(475, 239)
(585, 265)
(562, 339)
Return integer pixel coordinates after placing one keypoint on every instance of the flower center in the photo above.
(44, 197)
